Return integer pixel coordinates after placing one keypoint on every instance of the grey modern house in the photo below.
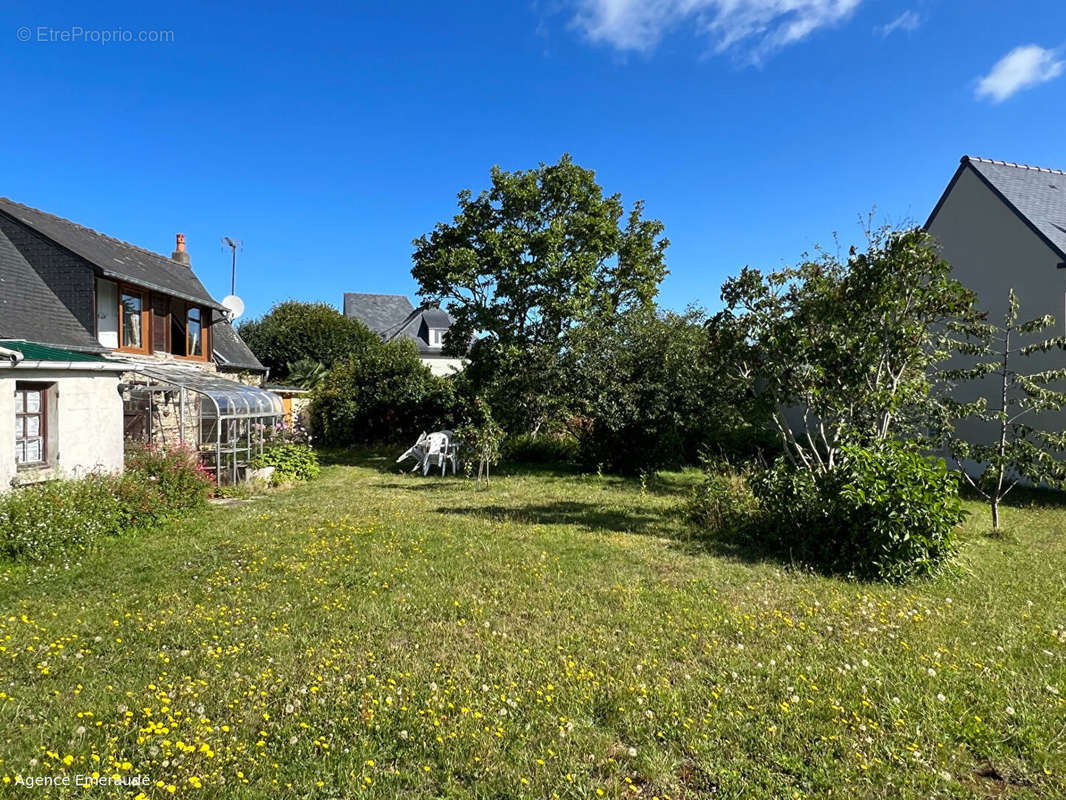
(1002, 226)
(393, 316)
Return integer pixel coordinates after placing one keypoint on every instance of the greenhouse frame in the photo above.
(226, 421)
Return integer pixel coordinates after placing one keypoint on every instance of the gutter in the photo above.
(65, 366)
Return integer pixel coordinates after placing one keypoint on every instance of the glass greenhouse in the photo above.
(225, 420)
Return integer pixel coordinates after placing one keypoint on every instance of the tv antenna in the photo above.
(233, 246)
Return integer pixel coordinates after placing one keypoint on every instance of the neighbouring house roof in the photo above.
(229, 349)
(394, 317)
(29, 307)
(379, 312)
(112, 257)
(33, 351)
(418, 327)
(1036, 194)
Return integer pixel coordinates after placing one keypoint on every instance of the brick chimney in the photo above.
(179, 253)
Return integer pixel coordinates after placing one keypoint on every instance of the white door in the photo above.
(107, 313)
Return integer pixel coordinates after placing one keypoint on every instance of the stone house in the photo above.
(108, 342)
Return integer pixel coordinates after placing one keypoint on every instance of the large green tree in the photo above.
(524, 262)
(843, 351)
(293, 331)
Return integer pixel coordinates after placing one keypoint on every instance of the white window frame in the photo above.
(43, 414)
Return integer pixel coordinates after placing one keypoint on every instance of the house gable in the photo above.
(113, 258)
(992, 229)
(993, 248)
(1036, 195)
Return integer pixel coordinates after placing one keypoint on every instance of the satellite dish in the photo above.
(234, 306)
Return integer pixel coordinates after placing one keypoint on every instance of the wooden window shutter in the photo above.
(160, 323)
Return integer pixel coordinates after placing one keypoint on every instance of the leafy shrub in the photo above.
(886, 512)
(547, 448)
(722, 503)
(381, 394)
(176, 474)
(649, 391)
(141, 501)
(59, 518)
(291, 462)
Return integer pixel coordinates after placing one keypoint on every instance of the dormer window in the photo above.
(133, 320)
(436, 337)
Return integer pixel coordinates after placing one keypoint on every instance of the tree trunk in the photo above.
(1002, 453)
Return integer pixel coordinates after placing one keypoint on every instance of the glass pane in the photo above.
(20, 402)
(33, 426)
(33, 451)
(33, 402)
(20, 453)
(196, 345)
(131, 321)
(177, 328)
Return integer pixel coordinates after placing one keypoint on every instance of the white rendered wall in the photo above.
(85, 424)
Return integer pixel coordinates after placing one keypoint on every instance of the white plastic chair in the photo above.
(417, 451)
(437, 452)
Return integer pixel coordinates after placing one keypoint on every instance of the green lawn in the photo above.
(381, 635)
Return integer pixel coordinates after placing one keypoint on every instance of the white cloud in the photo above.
(1021, 68)
(907, 21)
(757, 27)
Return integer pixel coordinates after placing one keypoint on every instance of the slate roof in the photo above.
(1036, 194)
(393, 316)
(229, 348)
(32, 351)
(379, 312)
(113, 257)
(30, 309)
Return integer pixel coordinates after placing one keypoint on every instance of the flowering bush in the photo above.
(174, 475)
(296, 433)
(59, 517)
(62, 517)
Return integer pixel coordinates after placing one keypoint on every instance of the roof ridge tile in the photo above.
(1014, 164)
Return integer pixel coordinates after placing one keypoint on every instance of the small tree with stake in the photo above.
(1020, 449)
(482, 437)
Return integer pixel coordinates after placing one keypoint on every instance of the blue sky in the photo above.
(327, 139)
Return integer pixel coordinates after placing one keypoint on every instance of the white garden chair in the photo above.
(416, 451)
(439, 452)
(433, 450)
